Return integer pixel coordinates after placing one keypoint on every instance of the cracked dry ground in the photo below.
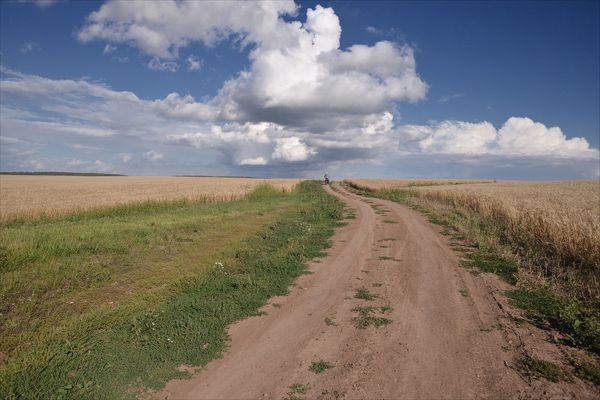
(393, 314)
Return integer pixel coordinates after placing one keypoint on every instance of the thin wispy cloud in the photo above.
(109, 48)
(447, 98)
(393, 33)
(122, 60)
(153, 155)
(156, 64)
(84, 147)
(89, 166)
(40, 3)
(29, 47)
(125, 157)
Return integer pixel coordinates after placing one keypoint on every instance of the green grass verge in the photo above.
(487, 260)
(577, 321)
(117, 352)
(587, 370)
(54, 271)
(541, 369)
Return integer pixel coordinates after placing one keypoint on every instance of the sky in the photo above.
(497, 90)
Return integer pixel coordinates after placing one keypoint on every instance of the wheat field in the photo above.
(568, 201)
(378, 184)
(555, 224)
(32, 196)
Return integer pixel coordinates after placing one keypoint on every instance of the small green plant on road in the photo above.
(365, 317)
(364, 294)
(319, 366)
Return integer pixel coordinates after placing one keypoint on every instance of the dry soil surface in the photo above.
(449, 333)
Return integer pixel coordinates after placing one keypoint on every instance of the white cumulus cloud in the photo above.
(525, 137)
(299, 75)
(160, 29)
(292, 149)
(302, 99)
(194, 63)
(518, 136)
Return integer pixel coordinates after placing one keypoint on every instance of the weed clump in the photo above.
(319, 366)
(541, 369)
(578, 322)
(588, 371)
(365, 317)
(364, 294)
(489, 261)
(297, 389)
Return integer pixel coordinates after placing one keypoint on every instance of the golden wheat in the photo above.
(32, 196)
(378, 184)
(556, 225)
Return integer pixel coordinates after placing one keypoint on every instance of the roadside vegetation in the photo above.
(534, 367)
(109, 303)
(544, 238)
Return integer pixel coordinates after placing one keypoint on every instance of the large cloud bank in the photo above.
(302, 101)
(518, 136)
(298, 75)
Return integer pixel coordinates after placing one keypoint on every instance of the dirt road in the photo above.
(432, 330)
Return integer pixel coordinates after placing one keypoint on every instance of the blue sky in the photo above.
(506, 90)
